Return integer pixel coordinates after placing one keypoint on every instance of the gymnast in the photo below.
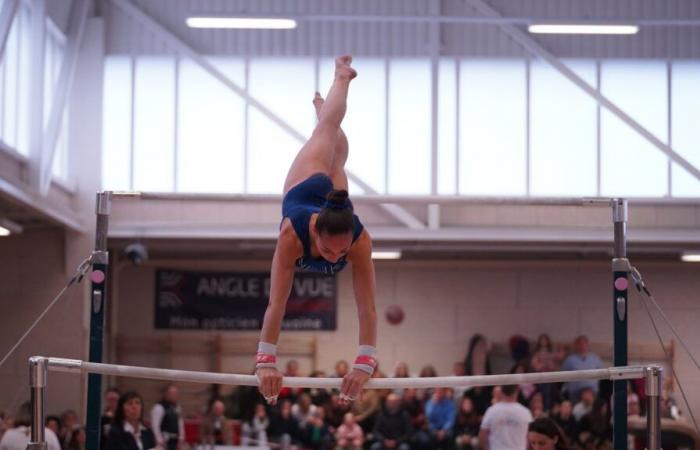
(319, 232)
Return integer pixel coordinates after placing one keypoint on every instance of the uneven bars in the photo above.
(75, 365)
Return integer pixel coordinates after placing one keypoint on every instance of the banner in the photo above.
(236, 301)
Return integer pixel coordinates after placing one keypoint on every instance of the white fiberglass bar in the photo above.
(612, 373)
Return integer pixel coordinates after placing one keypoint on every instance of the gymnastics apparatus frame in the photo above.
(98, 262)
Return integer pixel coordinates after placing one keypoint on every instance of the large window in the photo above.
(506, 127)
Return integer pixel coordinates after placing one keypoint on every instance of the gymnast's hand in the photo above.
(352, 385)
(269, 383)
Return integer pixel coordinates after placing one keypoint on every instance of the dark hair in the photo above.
(336, 216)
(113, 389)
(119, 416)
(548, 427)
(55, 419)
(549, 342)
(509, 389)
(468, 361)
(23, 416)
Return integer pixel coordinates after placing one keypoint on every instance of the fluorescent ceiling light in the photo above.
(690, 257)
(386, 254)
(241, 22)
(554, 28)
(8, 227)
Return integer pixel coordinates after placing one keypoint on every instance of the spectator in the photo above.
(566, 421)
(292, 370)
(107, 418)
(581, 359)
(69, 422)
(504, 426)
(366, 407)
(319, 396)
(317, 436)
(545, 434)
(426, 372)
(254, 431)
(536, 405)
(496, 395)
(440, 414)
(53, 423)
(595, 427)
(545, 360)
(284, 429)
(215, 428)
(333, 411)
(349, 435)
(303, 409)
(341, 369)
(466, 429)
(477, 363)
(17, 437)
(585, 405)
(77, 440)
(401, 370)
(458, 371)
(5, 423)
(526, 389)
(392, 429)
(414, 408)
(166, 420)
(128, 431)
(240, 404)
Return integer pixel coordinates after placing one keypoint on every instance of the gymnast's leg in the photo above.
(340, 152)
(318, 154)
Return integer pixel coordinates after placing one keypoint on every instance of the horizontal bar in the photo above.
(75, 366)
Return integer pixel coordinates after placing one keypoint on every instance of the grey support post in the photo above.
(37, 385)
(652, 375)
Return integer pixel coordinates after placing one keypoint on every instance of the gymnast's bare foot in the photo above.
(318, 102)
(343, 69)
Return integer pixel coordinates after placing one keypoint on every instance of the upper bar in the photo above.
(407, 199)
(612, 373)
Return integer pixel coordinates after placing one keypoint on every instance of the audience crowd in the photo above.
(573, 416)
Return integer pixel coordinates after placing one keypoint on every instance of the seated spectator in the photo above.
(303, 409)
(366, 407)
(585, 405)
(319, 396)
(107, 418)
(17, 437)
(128, 431)
(53, 423)
(426, 372)
(77, 440)
(401, 370)
(545, 434)
(466, 429)
(536, 406)
(458, 371)
(526, 389)
(334, 411)
(215, 428)
(292, 370)
(341, 369)
(317, 436)
(566, 421)
(504, 426)
(477, 362)
(349, 435)
(595, 428)
(545, 359)
(254, 431)
(69, 422)
(581, 359)
(4, 423)
(392, 428)
(284, 428)
(414, 408)
(440, 414)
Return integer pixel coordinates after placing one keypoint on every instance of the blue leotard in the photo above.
(303, 200)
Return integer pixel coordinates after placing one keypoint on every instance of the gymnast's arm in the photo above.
(363, 282)
(281, 279)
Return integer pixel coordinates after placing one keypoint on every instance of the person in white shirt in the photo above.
(18, 437)
(166, 420)
(504, 426)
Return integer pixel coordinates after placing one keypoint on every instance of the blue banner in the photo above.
(236, 301)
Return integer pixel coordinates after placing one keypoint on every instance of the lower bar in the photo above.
(37, 383)
(653, 390)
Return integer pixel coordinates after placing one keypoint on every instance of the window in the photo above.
(685, 111)
(116, 129)
(447, 127)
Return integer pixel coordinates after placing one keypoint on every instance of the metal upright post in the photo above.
(620, 267)
(37, 383)
(652, 374)
(98, 292)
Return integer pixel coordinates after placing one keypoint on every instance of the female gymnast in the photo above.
(320, 233)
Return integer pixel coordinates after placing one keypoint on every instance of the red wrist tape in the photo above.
(366, 360)
(263, 358)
